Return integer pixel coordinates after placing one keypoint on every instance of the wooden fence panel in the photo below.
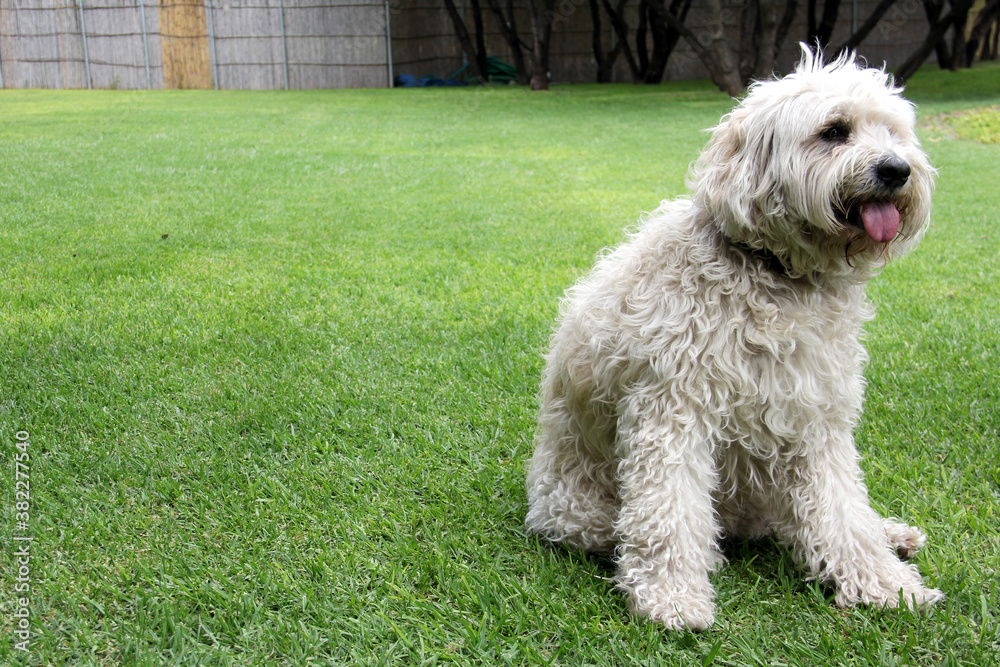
(40, 45)
(248, 51)
(114, 43)
(238, 44)
(338, 45)
(184, 44)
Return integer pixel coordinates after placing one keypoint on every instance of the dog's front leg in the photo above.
(824, 513)
(666, 526)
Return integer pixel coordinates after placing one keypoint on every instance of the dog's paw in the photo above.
(673, 609)
(889, 591)
(912, 598)
(906, 540)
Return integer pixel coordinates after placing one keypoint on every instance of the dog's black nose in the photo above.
(893, 171)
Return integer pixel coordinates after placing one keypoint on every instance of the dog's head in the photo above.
(821, 168)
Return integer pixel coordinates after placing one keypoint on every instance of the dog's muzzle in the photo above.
(878, 213)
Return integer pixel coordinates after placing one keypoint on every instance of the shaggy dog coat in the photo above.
(705, 378)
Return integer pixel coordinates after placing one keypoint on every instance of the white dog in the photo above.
(706, 377)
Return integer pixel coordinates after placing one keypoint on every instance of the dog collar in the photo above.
(770, 261)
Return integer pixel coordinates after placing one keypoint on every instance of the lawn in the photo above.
(275, 355)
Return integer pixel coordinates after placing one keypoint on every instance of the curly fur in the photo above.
(706, 377)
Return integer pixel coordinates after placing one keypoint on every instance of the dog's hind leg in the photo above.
(572, 496)
(667, 527)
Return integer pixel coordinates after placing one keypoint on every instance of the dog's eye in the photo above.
(836, 133)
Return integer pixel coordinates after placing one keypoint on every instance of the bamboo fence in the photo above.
(231, 44)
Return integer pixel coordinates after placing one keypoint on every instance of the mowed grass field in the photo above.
(276, 356)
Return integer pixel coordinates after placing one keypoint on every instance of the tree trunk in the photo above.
(508, 30)
(818, 33)
(476, 60)
(933, 9)
(980, 33)
(829, 21)
(603, 70)
(771, 16)
(665, 40)
(791, 9)
(657, 61)
(996, 41)
(541, 29)
(715, 52)
(477, 21)
(811, 23)
(733, 63)
(642, 43)
(934, 36)
(750, 34)
(605, 59)
(760, 52)
(854, 40)
(958, 60)
(621, 32)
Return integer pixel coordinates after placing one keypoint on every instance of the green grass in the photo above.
(982, 125)
(278, 354)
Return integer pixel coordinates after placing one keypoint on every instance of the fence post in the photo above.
(145, 42)
(83, 34)
(13, 9)
(388, 43)
(284, 45)
(211, 46)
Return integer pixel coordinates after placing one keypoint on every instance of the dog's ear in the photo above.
(735, 180)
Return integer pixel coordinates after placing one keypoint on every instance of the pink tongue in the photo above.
(881, 220)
